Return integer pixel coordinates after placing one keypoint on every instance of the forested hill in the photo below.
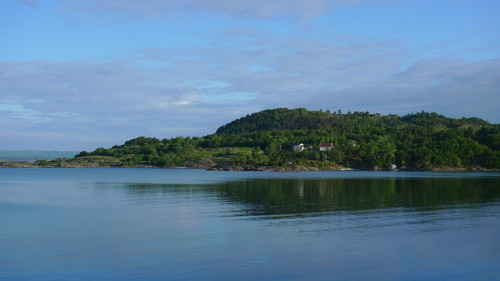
(303, 119)
(325, 140)
(361, 139)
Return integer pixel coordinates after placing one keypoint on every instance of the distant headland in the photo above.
(298, 139)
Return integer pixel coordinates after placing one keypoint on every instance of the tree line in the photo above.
(359, 140)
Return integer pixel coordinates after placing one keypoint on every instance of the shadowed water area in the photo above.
(154, 224)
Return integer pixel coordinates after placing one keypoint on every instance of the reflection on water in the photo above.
(312, 197)
(342, 205)
(122, 224)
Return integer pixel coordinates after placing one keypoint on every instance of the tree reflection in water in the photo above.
(315, 197)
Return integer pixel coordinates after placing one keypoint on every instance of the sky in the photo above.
(82, 74)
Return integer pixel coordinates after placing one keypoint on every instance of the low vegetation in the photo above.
(358, 140)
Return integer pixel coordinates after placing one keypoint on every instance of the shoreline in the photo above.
(28, 164)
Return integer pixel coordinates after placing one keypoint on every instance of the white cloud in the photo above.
(190, 91)
(12, 109)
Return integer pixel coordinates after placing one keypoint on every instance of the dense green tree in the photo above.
(360, 139)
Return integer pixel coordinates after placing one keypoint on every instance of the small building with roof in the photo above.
(299, 147)
(325, 146)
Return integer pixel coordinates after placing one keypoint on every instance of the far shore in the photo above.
(29, 164)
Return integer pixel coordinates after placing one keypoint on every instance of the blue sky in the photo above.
(77, 75)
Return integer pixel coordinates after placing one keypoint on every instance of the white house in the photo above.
(325, 146)
(298, 147)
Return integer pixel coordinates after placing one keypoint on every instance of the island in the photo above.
(298, 139)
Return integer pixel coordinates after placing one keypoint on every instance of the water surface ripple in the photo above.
(157, 224)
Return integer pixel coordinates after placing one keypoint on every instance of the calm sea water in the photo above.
(158, 224)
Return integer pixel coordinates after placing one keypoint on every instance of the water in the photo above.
(157, 224)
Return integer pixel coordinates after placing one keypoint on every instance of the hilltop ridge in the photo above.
(303, 119)
(358, 140)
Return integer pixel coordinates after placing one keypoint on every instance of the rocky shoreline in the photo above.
(212, 167)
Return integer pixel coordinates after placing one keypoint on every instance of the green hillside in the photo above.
(303, 119)
(357, 140)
